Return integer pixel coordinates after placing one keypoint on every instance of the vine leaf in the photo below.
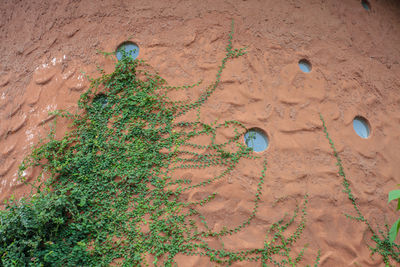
(394, 230)
(395, 194)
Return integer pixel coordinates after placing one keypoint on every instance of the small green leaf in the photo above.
(394, 230)
(394, 194)
(82, 202)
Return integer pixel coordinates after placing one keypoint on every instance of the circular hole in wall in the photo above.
(305, 65)
(128, 49)
(366, 5)
(256, 139)
(100, 100)
(361, 127)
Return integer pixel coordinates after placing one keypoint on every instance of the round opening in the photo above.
(366, 5)
(361, 127)
(100, 100)
(128, 49)
(256, 139)
(305, 65)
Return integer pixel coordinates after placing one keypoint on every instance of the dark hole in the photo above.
(361, 127)
(100, 100)
(305, 65)
(366, 5)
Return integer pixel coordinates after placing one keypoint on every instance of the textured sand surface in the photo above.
(355, 54)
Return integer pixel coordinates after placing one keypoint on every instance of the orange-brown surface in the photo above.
(355, 54)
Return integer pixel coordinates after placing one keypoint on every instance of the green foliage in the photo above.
(31, 232)
(394, 230)
(111, 194)
(317, 259)
(384, 244)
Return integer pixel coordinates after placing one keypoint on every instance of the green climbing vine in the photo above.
(111, 196)
(383, 245)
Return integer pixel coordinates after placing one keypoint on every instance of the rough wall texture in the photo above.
(46, 45)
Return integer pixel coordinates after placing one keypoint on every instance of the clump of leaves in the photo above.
(111, 196)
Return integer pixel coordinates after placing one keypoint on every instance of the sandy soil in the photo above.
(47, 45)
